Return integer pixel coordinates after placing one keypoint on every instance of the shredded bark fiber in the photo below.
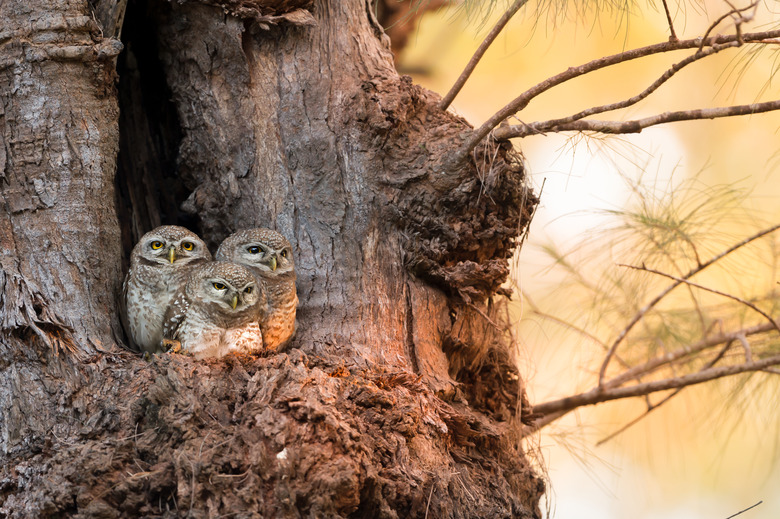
(460, 226)
(216, 438)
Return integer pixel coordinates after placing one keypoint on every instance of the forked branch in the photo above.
(508, 132)
(657, 299)
(520, 102)
(601, 394)
(617, 387)
(711, 290)
(636, 126)
(653, 406)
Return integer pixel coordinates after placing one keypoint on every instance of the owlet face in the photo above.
(170, 245)
(264, 249)
(225, 287)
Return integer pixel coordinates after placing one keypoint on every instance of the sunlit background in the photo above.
(712, 451)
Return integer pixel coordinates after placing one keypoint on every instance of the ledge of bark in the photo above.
(214, 438)
(265, 13)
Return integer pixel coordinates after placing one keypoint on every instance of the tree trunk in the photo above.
(400, 397)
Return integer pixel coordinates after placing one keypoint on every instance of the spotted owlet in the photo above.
(217, 312)
(159, 265)
(268, 255)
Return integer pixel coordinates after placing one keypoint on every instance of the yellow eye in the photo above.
(157, 245)
(248, 290)
(219, 286)
(187, 245)
(254, 249)
(284, 253)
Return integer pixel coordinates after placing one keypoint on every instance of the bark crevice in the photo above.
(149, 189)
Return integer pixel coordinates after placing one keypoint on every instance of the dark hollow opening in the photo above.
(149, 190)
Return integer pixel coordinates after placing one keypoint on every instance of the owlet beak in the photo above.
(234, 301)
(172, 254)
(273, 262)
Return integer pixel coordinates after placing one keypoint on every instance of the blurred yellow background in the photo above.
(708, 453)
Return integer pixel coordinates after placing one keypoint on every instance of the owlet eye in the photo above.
(248, 290)
(157, 245)
(187, 245)
(284, 253)
(219, 286)
(254, 249)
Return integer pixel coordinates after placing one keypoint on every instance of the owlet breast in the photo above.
(217, 312)
(268, 255)
(159, 265)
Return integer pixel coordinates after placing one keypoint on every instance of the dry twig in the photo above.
(556, 125)
(483, 47)
(526, 97)
(672, 34)
(702, 287)
(652, 407)
(601, 394)
(639, 315)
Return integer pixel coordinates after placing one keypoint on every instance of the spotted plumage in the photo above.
(268, 255)
(159, 266)
(217, 312)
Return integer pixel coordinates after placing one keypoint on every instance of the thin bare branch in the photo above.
(636, 126)
(743, 511)
(523, 130)
(692, 349)
(672, 34)
(483, 47)
(526, 97)
(738, 21)
(746, 347)
(598, 395)
(653, 407)
(707, 289)
(639, 315)
(639, 418)
(653, 364)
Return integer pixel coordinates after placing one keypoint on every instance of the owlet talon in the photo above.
(171, 346)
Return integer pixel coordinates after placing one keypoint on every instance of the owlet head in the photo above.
(230, 287)
(263, 249)
(169, 245)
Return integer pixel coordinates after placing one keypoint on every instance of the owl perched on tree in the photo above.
(268, 255)
(159, 265)
(217, 312)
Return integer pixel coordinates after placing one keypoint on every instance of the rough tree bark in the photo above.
(400, 397)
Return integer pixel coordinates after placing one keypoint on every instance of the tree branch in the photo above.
(712, 290)
(737, 21)
(653, 407)
(692, 349)
(745, 510)
(600, 394)
(508, 132)
(484, 46)
(672, 34)
(639, 315)
(648, 367)
(636, 126)
(526, 97)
